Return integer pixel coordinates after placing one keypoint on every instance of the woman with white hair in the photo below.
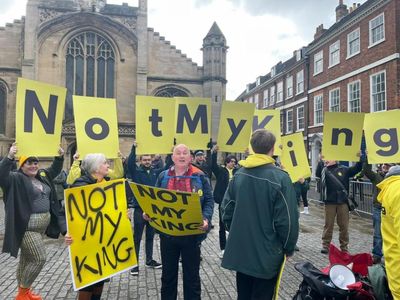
(94, 170)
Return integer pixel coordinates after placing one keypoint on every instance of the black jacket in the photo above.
(343, 174)
(222, 176)
(18, 200)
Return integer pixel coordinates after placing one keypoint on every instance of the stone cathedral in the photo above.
(97, 49)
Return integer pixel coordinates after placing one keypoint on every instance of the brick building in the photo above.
(102, 50)
(353, 66)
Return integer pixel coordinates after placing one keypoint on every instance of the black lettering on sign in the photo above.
(93, 225)
(348, 136)
(105, 129)
(169, 211)
(71, 200)
(114, 225)
(155, 119)
(146, 191)
(200, 115)
(392, 143)
(264, 122)
(32, 103)
(292, 154)
(167, 196)
(113, 186)
(102, 198)
(235, 130)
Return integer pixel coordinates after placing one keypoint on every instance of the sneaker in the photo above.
(135, 271)
(305, 211)
(153, 264)
(221, 254)
(324, 251)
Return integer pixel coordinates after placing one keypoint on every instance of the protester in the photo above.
(31, 209)
(142, 174)
(157, 162)
(260, 211)
(202, 160)
(334, 193)
(223, 174)
(94, 170)
(376, 178)
(184, 177)
(389, 197)
(116, 173)
(301, 187)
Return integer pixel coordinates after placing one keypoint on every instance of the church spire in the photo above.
(214, 35)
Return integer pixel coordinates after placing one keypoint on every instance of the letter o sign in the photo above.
(105, 129)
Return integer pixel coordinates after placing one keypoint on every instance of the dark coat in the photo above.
(334, 194)
(18, 200)
(222, 176)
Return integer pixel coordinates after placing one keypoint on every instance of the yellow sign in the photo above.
(342, 136)
(235, 126)
(270, 120)
(172, 212)
(101, 231)
(193, 122)
(39, 115)
(382, 136)
(294, 157)
(155, 127)
(96, 126)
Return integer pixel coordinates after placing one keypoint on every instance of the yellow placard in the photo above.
(342, 136)
(382, 136)
(294, 157)
(38, 120)
(193, 122)
(102, 235)
(155, 127)
(96, 126)
(172, 212)
(269, 119)
(235, 126)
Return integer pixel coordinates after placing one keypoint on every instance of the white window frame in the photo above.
(298, 119)
(266, 98)
(321, 110)
(256, 97)
(289, 87)
(289, 130)
(371, 43)
(300, 83)
(318, 58)
(351, 39)
(331, 94)
(272, 96)
(334, 49)
(279, 91)
(349, 90)
(372, 107)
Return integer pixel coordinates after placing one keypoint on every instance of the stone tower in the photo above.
(214, 73)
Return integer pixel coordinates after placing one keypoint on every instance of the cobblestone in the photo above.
(54, 282)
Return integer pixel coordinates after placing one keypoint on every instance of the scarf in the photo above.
(256, 160)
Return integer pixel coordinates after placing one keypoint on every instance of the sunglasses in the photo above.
(32, 163)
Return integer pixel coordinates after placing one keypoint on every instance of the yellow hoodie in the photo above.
(389, 196)
(256, 160)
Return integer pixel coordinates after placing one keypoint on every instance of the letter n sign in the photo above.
(39, 114)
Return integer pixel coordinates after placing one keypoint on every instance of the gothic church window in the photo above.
(3, 108)
(90, 67)
(171, 92)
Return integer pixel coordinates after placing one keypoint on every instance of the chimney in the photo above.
(341, 11)
(319, 31)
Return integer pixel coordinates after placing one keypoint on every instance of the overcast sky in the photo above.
(259, 33)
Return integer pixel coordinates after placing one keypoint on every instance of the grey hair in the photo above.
(92, 161)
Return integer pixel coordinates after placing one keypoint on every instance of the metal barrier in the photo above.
(362, 191)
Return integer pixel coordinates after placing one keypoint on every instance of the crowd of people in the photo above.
(258, 205)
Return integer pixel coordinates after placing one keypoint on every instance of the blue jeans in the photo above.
(377, 242)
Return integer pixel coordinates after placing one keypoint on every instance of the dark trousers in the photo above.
(138, 226)
(304, 197)
(377, 240)
(222, 234)
(253, 288)
(188, 249)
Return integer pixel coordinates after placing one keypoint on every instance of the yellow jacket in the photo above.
(75, 171)
(389, 196)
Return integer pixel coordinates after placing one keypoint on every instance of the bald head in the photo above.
(181, 156)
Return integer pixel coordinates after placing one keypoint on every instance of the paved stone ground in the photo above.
(54, 282)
